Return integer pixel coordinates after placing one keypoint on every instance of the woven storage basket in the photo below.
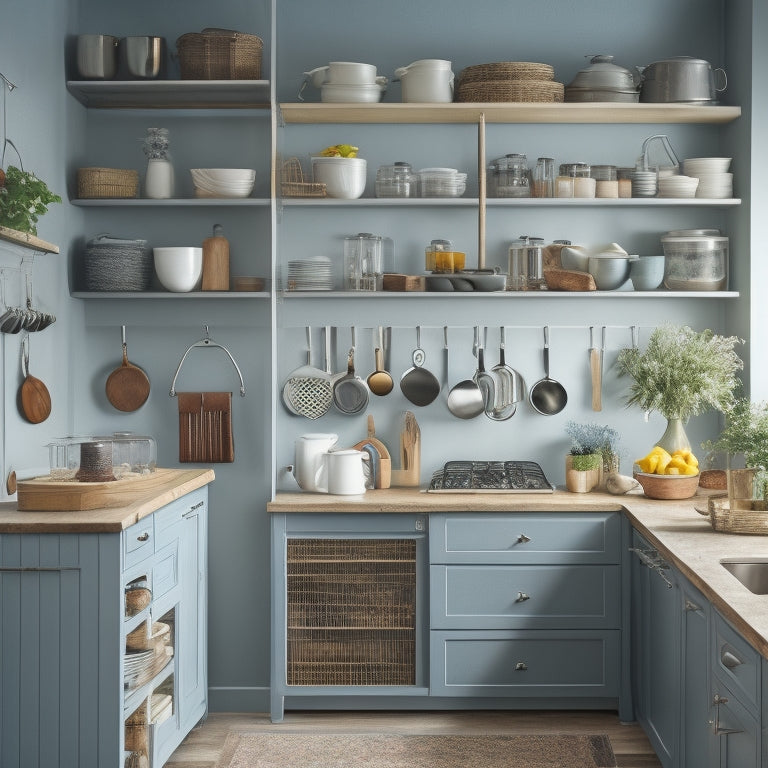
(219, 54)
(510, 90)
(507, 70)
(117, 265)
(107, 182)
(744, 521)
(292, 182)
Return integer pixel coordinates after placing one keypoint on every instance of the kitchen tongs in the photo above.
(207, 341)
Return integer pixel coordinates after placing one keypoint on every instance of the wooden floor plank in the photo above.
(203, 746)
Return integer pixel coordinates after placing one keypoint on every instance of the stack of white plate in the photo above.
(223, 182)
(678, 186)
(712, 172)
(442, 182)
(310, 275)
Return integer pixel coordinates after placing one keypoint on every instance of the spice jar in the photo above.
(606, 181)
(526, 267)
(575, 180)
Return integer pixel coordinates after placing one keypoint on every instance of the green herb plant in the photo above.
(23, 199)
(682, 372)
(591, 444)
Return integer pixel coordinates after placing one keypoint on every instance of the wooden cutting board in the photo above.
(42, 494)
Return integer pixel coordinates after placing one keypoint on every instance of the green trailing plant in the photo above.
(591, 444)
(682, 372)
(23, 199)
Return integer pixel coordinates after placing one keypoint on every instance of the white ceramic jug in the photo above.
(341, 473)
(310, 451)
(427, 80)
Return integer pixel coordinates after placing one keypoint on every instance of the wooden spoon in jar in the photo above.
(34, 397)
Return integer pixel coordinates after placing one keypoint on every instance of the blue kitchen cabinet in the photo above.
(69, 693)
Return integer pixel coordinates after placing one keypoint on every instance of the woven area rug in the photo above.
(272, 750)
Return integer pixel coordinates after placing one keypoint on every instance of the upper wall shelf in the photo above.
(26, 240)
(172, 94)
(506, 113)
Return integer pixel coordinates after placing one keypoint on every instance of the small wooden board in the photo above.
(42, 494)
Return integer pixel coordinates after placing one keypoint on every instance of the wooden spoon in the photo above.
(127, 386)
(34, 396)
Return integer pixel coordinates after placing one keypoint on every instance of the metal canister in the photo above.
(526, 267)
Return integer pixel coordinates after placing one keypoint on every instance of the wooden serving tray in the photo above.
(42, 494)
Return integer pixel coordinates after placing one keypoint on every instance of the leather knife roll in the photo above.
(205, 427)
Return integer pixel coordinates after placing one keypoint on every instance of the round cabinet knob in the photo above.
(522, 597)
(521, 666)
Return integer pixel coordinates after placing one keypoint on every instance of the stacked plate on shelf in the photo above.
(712, 172)
(310, 275)
(678, 186)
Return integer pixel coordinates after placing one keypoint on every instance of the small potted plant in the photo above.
(593, 448)
(680, 374)
(745, 435)
(23, 199)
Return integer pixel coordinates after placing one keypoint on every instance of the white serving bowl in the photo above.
(695, 165)
(223, 182)
(179, 268)
(344, 177)
(341, 93)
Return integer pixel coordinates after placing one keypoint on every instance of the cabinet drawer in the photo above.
(530, 537)
(736, 662)
(525, 664)
(525, 597)
(138, 541)
(168, 519)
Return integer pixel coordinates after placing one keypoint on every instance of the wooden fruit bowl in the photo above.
(668, 486)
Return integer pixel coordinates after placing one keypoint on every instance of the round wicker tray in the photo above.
(510, 90)
(507, 70)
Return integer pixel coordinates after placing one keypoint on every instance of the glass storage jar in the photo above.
(695, 262)
(396, 180)
(510, 176)
(606, 181)
(526, 264)
(575, 180)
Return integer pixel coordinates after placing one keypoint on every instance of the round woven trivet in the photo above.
(510, 90)
(507, 70)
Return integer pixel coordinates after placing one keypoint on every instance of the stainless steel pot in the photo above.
(682, 80)
(603, 80)
(143, 57)
(96, 57)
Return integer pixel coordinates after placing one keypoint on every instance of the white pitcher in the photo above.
(427, 80)
(308, 458)
(341, 473)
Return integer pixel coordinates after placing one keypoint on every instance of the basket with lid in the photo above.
(114, 264)
(219, 54)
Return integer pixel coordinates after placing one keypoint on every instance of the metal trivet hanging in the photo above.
(490, 477)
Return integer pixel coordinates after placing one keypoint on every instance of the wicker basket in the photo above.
(507, 70)
(292, 182)
(219, 54)
(107, 182)
(510, 91)
(110, 264)
(725, 519)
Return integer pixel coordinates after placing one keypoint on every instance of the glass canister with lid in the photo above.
(440, 257)
(526, 264)
(363, 262)
(397, 180)
(695, 260)
(575, 180)
(509, 176)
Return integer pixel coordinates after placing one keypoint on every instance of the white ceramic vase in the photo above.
(159, 180)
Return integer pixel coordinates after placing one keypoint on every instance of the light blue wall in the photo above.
(56, 135)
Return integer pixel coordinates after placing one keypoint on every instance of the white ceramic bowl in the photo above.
(344, 177)
(223, 182)
(647, 272)
(610, 271)
(179, 268)
(340, 93)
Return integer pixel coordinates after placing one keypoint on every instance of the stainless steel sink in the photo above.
(751, 572)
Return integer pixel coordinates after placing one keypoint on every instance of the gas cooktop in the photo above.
(490, 477)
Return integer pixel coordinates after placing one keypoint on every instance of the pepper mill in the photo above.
(216, 261)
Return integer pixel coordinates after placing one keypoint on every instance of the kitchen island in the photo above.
(103, 636)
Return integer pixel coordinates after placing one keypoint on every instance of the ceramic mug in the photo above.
(345, 473)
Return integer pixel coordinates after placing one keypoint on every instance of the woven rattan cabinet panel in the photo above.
(351, 611)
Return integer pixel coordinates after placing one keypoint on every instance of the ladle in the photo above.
(34, 397)
(465, 400)
(380, 382)
(548, 396)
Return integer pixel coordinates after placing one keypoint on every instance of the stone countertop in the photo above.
(682, 536)
(168, 487)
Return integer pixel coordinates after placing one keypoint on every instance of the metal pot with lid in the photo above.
(603, 80)
(682, 80)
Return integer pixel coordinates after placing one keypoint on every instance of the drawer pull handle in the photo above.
(522, 597)
(716, 728)
(730, 660)
(521, 666)
(523, 539)
(143, 537)
(196, 506)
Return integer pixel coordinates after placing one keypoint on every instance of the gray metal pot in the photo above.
(603, 80)
(681, 80)
(96, 57)
(143, 57)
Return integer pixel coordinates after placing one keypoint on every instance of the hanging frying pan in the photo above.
(127, 386)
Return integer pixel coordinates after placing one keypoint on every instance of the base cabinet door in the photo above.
(736, 731)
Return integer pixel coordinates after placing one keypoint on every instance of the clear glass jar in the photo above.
(396, 180)
(510, 176)
(544, 178)
(431, 253)
(606, 181)
(526, 264)
(575, 180)
(624, 177)
(363, 262)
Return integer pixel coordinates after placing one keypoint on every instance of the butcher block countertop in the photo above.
(166, 486)
(682, 536)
